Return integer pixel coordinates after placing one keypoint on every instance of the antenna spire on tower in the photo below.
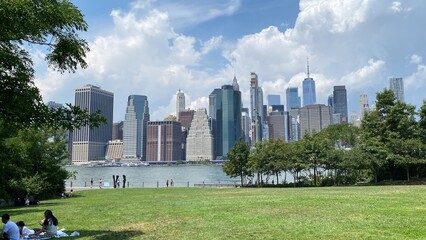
(307, 66)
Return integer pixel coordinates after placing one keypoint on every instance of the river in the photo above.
(149, 176)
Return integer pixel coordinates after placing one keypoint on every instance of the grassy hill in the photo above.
(374, 212)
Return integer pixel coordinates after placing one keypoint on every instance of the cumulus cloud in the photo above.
(353, 43)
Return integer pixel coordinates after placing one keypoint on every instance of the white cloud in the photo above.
(396, 6)
(416, 59)
(352, 42)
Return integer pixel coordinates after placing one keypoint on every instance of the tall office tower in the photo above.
(340, 103)
(314, 117)
(363, 106)
(117, 130)
(199, 143)
(294, 125)
(185, 118)
(256, 109)
(225, 110)
(180, 103)
(245, 124)
(292, 98)
(309, 95)
(164, 141)
(397, 86)
(134, 128)
(90, 144)
(274, 99)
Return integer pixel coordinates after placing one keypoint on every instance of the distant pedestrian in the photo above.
(171, 182)
(91, 182)
(124, 181)
(100, 182)
(167, 183)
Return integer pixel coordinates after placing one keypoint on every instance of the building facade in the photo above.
(256, 109)
(199, 143)
(292, 98)
(340, 103)
(397, 86)
(314, 118)
(164, 141)
(364, 107)
(274, 99)
(90, 144)
(114, 150)
(117, 130)
(134, 128)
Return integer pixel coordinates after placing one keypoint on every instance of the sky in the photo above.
(156, 47)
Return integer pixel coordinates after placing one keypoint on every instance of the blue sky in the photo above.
(155, 48)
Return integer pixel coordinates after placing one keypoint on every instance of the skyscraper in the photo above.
(397, 86)
(340, 103)
(292, 98)
(164, 141)
(309, 95)
(199, 143)
(90, 144)
(314, 118)
(256, 108)
(225, 112)
(363, 106)
(245, 124)
(134, 128)
(180, 103)
(274, 99)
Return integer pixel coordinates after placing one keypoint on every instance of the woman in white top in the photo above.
(49, 223)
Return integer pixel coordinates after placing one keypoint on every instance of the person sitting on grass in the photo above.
(49, 224)
(23, 230)
(10, 229)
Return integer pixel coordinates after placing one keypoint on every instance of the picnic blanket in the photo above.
(59, 234)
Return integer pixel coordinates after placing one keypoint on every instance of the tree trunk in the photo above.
(277, 177)
(315, 176)
(408, 173)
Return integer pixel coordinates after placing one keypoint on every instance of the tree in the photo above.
(237, 165)
(53, 24)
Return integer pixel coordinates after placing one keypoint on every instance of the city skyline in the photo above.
(154, 48)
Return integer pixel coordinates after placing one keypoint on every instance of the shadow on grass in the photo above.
(107, 235)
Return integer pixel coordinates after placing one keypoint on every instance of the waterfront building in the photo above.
(117, 130)
(199, 143)
(308, 87)
(180, 103)
(292, 98)
(340, 103)
(256, 109)
(314, 118)
(225, 111)
(164, 141)
(185, 118)
(89, 144)
(134, 128)
(397, 86)
(114, 150)
(363, 106)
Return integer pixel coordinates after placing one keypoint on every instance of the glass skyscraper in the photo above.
(292, 98)
(225, 110)
(134, 128)
(90, 143)
(340, 103)
(309, 95)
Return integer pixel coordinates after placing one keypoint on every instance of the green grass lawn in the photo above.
(382, 212)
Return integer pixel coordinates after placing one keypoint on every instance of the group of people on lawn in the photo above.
(16, 231)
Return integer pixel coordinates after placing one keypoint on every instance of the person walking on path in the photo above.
(167, 183)
(91, 182)
(171, 182)
(100, 182)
